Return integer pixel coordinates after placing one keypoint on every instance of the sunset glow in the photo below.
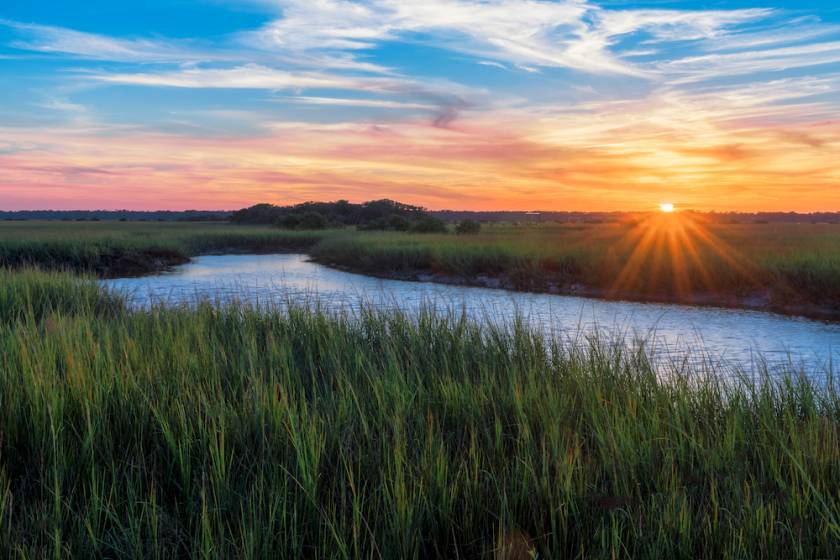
(496, 104)
(674, 252)
(666, 207)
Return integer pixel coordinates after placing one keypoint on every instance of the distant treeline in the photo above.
(117, 215)
(386, 214)
(372, 215)
(595, 217)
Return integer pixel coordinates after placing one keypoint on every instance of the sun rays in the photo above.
(677, 254)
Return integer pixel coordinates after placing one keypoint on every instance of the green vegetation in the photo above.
(246, 433)
(134, 248)
(307, 221)
(373, 215)
(786, 266)
(468, 227)
(790, 267)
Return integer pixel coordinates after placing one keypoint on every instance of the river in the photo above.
(742, 340)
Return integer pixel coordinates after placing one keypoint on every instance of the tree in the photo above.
(258, 214)
(313, 220)
(468, 227)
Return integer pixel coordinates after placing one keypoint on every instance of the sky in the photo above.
(726, 105)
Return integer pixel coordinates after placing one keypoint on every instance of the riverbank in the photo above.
(732, 337)
(232, 432)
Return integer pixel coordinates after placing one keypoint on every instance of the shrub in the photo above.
(429, 224)
(289, 221)
(468, 227)
(394, 222)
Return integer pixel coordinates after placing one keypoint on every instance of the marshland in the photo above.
(253, 430)
(419, 279)
(787, 267)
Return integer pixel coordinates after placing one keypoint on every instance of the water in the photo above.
(735, 338)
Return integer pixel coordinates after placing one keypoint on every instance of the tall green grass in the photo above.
(243, 433)
(32, 295)
(120, 249)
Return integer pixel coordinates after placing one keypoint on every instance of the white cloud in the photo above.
(785, 33)
(337, 36)
(49, 39)
(520, 32)
(249, 76)
(526, 33)
(492, 63)
(64, 106)
(335, 45)
(447, 99)
(256, 76)
(699, 68)
(674, 25)
(371, 103)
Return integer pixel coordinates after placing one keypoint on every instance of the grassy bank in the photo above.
(243, 434)
(135, 248)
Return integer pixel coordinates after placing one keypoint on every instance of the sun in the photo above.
(666, 207)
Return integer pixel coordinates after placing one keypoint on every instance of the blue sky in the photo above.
(450, 103)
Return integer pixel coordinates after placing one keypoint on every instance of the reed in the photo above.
(780, 264)
(134, 248)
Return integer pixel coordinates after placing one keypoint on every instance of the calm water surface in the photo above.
(739, 339)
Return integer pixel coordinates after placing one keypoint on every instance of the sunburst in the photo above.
(673, 252)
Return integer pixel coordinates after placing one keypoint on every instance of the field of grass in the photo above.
(666, 258)
(243, 433)
(134, 248)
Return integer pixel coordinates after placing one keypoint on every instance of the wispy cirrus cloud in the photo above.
(59, 40)
(369, 103)
(248, 76)
(699, 68)
(514, 31)
(564, 34)
(444, 98)
(675, 25)
(338, 35)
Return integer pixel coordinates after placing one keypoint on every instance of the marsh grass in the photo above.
(778, 264)
(32, 295)
(256, 433)
(125, 249)
(783, 263)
